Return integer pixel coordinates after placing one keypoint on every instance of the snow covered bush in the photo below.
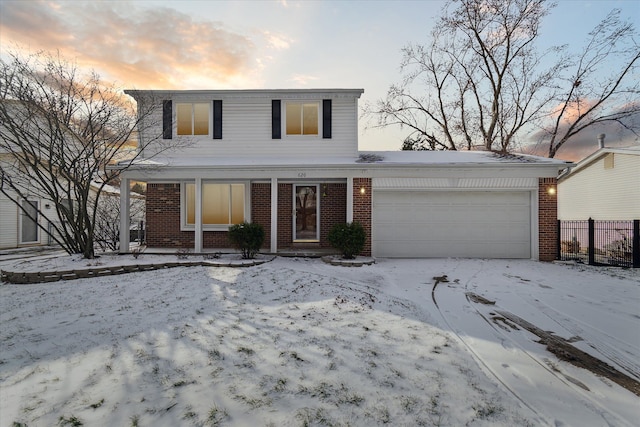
(348, 238)
(248, 237)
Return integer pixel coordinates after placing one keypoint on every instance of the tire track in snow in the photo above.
(571, 324)
(567, 383)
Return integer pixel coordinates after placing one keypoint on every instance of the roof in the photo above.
(371, 159)
(633, 150)
(246, 93)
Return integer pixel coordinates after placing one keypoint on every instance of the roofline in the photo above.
(242, 92)
(595, 156)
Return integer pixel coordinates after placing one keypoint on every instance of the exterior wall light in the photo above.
(363, 190)
(551, 191)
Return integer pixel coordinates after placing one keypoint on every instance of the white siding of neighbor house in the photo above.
(602, 194)
(8, 223)
(246, 127)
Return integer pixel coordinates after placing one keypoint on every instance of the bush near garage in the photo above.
(348, 238)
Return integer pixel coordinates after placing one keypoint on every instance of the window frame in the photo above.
(184, 226)
(209, 105)
(303, 102)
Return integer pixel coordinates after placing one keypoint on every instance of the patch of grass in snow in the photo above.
(217, 415)
(313, 416)
(487, 410)
(97, 404)
(135, 420)
(189, 413)
(71, 421)
(18, 424)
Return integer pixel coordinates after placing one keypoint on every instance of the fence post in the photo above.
(636, 243)
(558, 244)
(592, 241)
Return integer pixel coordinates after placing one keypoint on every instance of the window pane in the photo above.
(183, 116)
(294, 118)
(310, 119)
(190, 200)
(237, 199)
(215, 204)
(201, 119)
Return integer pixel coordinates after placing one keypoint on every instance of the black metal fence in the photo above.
(600, 242)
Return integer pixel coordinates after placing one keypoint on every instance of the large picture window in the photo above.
(222, 204)
(302, 118)
(192, 118)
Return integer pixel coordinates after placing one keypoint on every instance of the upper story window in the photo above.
(302, 118)
(192, 118)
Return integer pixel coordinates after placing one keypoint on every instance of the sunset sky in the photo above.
(262, 44)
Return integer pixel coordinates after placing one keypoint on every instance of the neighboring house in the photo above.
(17, 230)
(603, 186)
(289, 160)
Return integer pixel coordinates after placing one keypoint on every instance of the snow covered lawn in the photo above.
(298, 342)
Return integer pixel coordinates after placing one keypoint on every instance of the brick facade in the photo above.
(362, 206)
(261, 209)
(163, 221)
(163, 215)
(547, 218)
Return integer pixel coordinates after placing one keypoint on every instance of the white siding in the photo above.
(603, 194)
(246, 127)
(8, 223)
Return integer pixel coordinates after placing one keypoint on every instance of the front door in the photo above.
(306, 213)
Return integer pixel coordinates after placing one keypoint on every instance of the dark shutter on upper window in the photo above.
(276, 119)
(167, 117)
(217, 119)
(326, 118)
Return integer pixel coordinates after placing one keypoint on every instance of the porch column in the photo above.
(274, 215)
(198, 220)
(350, 199)
(124, 216)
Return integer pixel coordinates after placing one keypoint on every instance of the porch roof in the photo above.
(368, 159)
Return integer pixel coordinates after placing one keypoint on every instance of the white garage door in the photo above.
(473, 224)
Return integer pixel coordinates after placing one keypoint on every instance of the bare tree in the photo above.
(107, 226)
(59, 131)
(477, 72)
(596, 93)
(481, 82)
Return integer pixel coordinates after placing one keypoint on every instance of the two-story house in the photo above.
(289, 160)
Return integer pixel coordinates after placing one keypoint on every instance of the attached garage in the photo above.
(478, 223)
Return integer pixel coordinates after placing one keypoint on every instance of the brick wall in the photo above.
(261, 209)
(285, 215)
(163, 215)
(547, 218)
(333, 209)
(362, 208)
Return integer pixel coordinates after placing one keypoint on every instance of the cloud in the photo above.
(142, 48)
(302, 79)
(277, 41)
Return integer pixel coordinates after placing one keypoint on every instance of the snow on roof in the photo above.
(371, 158)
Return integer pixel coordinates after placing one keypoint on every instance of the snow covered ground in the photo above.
(296, 342)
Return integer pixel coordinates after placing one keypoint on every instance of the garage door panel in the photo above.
(486, 224)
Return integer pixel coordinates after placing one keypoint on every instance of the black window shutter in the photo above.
(217, 119)
(326, 118)
(167, 116)
(276, 119)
